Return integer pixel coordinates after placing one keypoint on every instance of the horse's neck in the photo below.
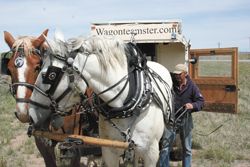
(105, 81)
(100, 80)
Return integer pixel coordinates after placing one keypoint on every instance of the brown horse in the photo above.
(24, 66)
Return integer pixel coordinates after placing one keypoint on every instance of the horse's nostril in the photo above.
(16, 115)
(31, 120)
(21, 117)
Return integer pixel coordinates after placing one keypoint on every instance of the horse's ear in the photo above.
(40, 40)
(9, 39)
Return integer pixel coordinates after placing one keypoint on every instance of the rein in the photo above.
(109, 88)
(141, 95)
(141, 98)
(24, 100)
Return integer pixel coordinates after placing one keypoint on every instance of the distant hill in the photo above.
(244, 55)
(244, 52)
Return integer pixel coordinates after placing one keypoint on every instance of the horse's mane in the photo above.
(58, 47)
(109, 51)
(25, 42)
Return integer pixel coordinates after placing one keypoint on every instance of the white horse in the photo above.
(57, 90)
(133, 96)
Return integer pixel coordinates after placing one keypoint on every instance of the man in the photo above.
(187, 94)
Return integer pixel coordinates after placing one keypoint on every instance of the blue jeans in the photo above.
(166, 141)
(186, 141)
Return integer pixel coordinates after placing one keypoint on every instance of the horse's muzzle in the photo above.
(38, 115)
(24, 118)
(22, 112)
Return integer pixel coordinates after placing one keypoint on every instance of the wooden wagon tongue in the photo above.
(85, 139)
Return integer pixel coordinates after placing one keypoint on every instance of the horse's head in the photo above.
(24, 66)
(57, 86)
(102, 62)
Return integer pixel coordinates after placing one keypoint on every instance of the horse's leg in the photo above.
(147, 134)
(152, 156)
(136, 161)
(110, 158)
(75, 160)
(67, 157)
(46, 151)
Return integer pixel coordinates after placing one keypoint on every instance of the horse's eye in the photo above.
(43, 75)
(38, 68)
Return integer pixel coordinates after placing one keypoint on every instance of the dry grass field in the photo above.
(229, 146)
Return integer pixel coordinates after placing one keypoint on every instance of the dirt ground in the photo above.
(34, 160)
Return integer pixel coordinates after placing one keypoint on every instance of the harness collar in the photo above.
(140, 90)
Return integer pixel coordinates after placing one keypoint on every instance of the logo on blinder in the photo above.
(19, 62)
(52, 76)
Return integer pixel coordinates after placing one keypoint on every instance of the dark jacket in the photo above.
(189, 94)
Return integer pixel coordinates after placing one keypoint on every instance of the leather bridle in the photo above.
(20, 54)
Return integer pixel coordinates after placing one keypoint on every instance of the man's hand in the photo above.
(189, 106)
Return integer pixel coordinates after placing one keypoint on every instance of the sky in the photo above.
(206, 23)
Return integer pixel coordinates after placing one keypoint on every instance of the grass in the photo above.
(6, 107)
(3, 162)
(214, 69)
(12, 153)
(29, 146)
(231, 142)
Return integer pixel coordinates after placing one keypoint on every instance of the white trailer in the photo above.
(161, 41)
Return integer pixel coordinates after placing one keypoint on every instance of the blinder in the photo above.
(53, 77)
(5, 58)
